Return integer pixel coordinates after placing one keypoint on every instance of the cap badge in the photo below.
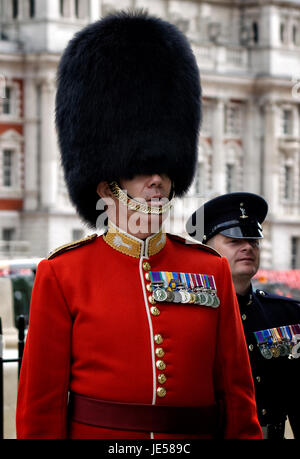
(243, 211)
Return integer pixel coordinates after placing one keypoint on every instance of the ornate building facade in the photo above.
(249, 56)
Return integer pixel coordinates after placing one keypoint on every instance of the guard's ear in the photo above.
(103, 190)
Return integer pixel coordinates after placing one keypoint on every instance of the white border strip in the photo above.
(151, 330)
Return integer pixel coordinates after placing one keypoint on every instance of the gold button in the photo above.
(251, 347)
(244, 317)
(159, 352)
(147, 276)
(161, 391)
(258, 378)
(162, 378)
(146, 266)
(263, 412)
(158, 339)
(155, 311)
(160, 364)
(149, 288)
(151, 300)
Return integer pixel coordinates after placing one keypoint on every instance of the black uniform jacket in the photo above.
(276, 379)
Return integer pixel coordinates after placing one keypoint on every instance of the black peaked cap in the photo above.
(236, 215)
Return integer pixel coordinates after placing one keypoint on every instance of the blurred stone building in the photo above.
(249, 56)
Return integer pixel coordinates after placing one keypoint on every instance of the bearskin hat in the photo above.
(128, 103)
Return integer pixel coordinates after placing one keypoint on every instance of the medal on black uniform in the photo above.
(279, 341)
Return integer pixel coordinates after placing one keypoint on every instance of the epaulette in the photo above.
(194, 244)
(72, 245)
(273, 296)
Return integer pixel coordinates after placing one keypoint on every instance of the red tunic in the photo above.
(91, 331)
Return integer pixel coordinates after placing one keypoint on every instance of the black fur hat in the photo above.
(128, 103)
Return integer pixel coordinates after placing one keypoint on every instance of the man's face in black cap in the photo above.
(242, 254)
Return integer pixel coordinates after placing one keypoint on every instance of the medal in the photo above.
(210, 299)
(207, 289)
(216, 302)
(283, 349)
(203, 298)
(160, 295)
(174, 282)
(262, 338)
(185, 288)
(185, 296)
(275, 352)
(170, 296)
(265, 352)
(177, 296)
(167, 277)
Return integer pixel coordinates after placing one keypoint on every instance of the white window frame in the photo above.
(8, 153)
(207, 119)
(288, 159)
(292, 128)
(234, 158)
(204, 167)
(15, 103)
(233, 126)
(82, 9)
(12, 140)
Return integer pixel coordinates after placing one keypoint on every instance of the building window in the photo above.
(7, 169)
(294, 34)
(282, 32)
(229, 178)
(15, 9)
(206, 127)
(255, 32)
(199, 183)
(286, 122)
(62, 7)
(8, 234)
(77, 12)
(295, 253)
(233, 121)
(7, 101)
(31, 8)
(288, 182)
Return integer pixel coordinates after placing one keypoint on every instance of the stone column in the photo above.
(49, 156)
(218, 156)
(95, 10)
(31, 144)
(252, 148)
(270, 163)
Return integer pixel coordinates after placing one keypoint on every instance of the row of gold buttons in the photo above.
(158, 339)
(251, 348)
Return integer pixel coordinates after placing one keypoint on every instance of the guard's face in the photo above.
(154, 190)
(148, 187)
(242, 254)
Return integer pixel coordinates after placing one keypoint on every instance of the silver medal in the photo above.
(160, 295)
(177, 297)
(216, 302)
(266, 352)
(185, 296)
